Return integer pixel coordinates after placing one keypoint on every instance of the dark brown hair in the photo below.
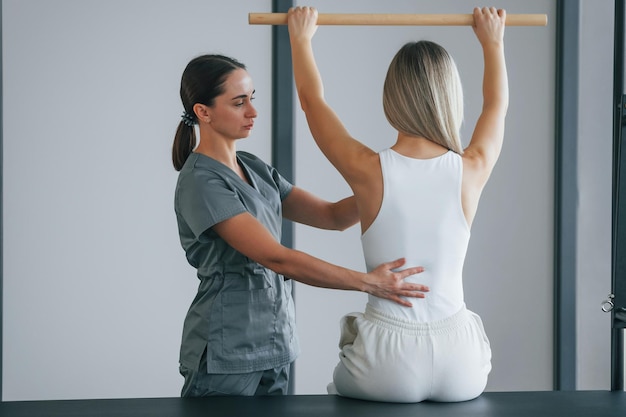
(202, 81)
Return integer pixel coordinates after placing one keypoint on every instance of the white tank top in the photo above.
(421, 219)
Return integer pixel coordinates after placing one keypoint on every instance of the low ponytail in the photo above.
(184, 142)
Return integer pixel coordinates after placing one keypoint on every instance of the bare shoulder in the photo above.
(368, 188)
(475, 177)
(476, 169)
(362, 167)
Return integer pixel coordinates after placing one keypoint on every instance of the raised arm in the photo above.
(486, 142)
(342, 150)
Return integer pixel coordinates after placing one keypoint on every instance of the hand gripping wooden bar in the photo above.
(374, 19)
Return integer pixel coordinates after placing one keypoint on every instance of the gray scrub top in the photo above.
(243, 313)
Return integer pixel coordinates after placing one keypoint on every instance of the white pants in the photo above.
(383, 358)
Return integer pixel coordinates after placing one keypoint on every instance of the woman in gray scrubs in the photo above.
(239, 335)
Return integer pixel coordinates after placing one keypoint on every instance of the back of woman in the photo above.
(421, 219)
(436, 350)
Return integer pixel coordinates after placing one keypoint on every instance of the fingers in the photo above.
(403, 296)
(401, 301)
(489, 24)
(398, 263)
(403, 274)
(394, 264)
(408, 290)
(302, 22)
(414, 289)
(489, 12)
(391, 285)
(302, 11)
(410, 271)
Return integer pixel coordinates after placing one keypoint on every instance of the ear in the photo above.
(203, 112)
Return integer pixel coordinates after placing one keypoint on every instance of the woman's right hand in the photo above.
(489, 25)
(383, 282)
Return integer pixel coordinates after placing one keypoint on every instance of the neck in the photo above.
(417, 147)
(220, 150)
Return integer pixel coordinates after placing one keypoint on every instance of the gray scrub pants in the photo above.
(198, 383)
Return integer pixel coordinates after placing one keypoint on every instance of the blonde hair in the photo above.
(423, 96)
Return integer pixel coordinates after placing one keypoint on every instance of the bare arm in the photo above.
(485, 145)
(303, 207)
(245, 234)
(347, 154)
(486, 142)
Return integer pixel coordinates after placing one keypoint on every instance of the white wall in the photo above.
(95, 282)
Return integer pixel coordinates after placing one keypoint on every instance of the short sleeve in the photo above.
(284, 186)
(204, 202)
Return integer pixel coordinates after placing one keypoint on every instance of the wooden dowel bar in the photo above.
(379, 19)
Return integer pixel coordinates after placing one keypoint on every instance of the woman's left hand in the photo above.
(302, 22)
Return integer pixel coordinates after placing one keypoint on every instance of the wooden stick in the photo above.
(397, 19)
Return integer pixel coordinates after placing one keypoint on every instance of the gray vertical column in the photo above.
(282, 117)
(1, 205)
(566, 194)
(282, 103)
(618, 267)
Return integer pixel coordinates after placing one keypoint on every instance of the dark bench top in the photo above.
(490, 404)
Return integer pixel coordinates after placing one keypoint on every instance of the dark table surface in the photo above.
(490, 404)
